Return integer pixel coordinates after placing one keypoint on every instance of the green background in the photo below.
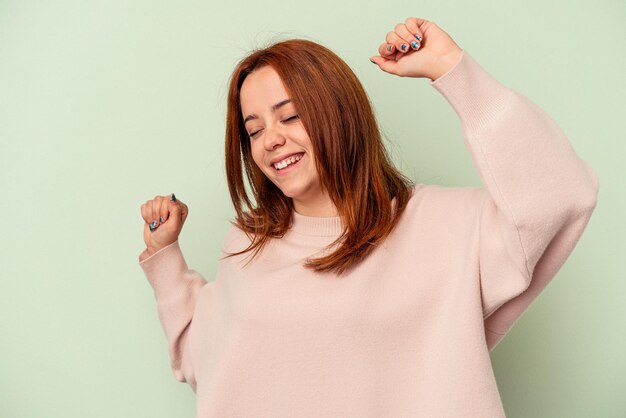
(105, 104)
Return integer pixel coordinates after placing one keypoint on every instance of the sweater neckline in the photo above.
(329, 226)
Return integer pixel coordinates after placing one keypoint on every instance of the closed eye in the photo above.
(289, 119)
(292, 118)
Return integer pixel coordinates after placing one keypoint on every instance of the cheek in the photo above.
(256, 155)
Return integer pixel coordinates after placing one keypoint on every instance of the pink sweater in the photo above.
(409, 331)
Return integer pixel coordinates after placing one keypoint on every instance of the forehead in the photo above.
(261, 89)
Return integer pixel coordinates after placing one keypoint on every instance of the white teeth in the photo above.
(287, 161)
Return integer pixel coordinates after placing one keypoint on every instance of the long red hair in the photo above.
(370, 194)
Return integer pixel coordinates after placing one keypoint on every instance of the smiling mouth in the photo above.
(287, 163)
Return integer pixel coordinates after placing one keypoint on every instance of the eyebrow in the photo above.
(274, 109)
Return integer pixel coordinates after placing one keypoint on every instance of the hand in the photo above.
(434, 56)
(169, 216)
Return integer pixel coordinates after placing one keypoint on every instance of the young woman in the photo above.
(344, 289)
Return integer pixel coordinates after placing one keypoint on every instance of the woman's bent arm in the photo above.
(176, 290)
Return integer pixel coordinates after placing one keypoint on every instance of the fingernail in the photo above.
(161, 220)
(390, 48)
(372, 61)
(153, 225)
(415, 45)
(173, 197)
(404, 47)
(419, 38)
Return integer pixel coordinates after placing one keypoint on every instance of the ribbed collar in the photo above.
(317, 226)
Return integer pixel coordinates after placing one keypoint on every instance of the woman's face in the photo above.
(280, 145)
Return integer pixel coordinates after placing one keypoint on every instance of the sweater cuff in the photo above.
(476, 96)
(166, 265)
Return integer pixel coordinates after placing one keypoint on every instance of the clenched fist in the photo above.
(167, 215)
(417, 48)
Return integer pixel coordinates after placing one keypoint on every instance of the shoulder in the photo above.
(445, 204)
(436, 194)
(235, 239)
(438, 215)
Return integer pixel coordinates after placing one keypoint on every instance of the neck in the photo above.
(321, 207)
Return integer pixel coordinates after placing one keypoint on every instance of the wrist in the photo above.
(445, 63)
(151, 250)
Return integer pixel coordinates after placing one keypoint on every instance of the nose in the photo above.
(273, 138)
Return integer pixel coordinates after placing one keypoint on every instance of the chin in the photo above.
(293, 192)
(290, 193)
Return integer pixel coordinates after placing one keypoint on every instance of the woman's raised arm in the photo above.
(539, 194)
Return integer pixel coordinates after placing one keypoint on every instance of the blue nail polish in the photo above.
(403, 47)
(153, 225)
(161, 220)
(173, 198)
(419, 38)
(415, 45)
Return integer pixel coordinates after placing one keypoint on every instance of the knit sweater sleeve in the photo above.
(538, 194)
(176, 289)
